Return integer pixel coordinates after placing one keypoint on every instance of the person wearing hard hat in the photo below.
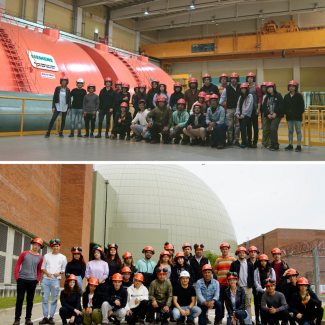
(151, 93)
(77, 266)
(165, 262)
(292, 288)
(146, 265)
(208, 87)
(223, 80)
(115, 299)
(273, 304)
(197, 261)
(279, 267)
(70, 301)
(139, 123)
(137, 302)
(113, 260)
(129, 262)
(266, 140)
(92, 301)
(162, 92)
(245, 270)
(184, 299)
(127, 280)
(27, 274)
(176, 96)
(192, 93)
(187, 250)
(160, 297)
(253, 252)
(77, 97)
(221, 268)
(122, 97)
(294, 109)
(180, 266)
(201, 100)
(90, 109)
(305, 305)
(141, 95)
(208, 292)
(122, 124)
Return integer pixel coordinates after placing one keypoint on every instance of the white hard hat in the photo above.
(80, 80)
(184, 273)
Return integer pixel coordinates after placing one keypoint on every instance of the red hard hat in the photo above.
(155, 80)
(93, 281)
(139, 277)
(254, 248)
(118, 82)
(293, 83)
(169, 246)
(263, 257)
(164, 253)
(207, 98)
(224, 245)
(232, 275)
(142, 85)
(264, 83)
(206, 267)
(124, 104)
(117, 277)
(251, 74)
(234, 75)
(71, 277)
(76, 250)
(178, 84)
(181, 101)
(198, 246)
(142, 101)
(91, 85)
(270, 84)
(64, 78)
(241, 249)
(244, 85)
(292, 272)
(148, 248)
(198, 104)
(162, 83)
(202, 94)
(38, 241)
(187, 245)
(136, 86)
(125, 85)
(126, 270)
(223, 75)
(126, 255)
(206, 75)
(161, 99)
(214, 96)
(192, 80)
(276, 251)
(303, 281)
(107, 79)
(180, 254)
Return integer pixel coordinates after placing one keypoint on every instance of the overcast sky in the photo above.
(262, 197)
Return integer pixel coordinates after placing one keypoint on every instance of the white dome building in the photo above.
(169, 200)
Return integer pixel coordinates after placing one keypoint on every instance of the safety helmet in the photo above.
(206, 75)
(117, 277)
(161, 270)
(169, 246)
(179, 254)
(263, 257)
(232, 275)
(178, 84)
(202, 94)
(264, 83)
(292, 272)
(38, 241)
(118, 82)
(124, 104)
(142, 85)
(244, 85)
(197, 104)
(192, 81)
(97, 248)
(224, 245)
(276, 251)
(270, 84)
(214, 96)
(93, 281)
(126, 255)
(223, 75)
(126, 269)
(161, 99)
(64, 78)
(126, 85)
(164, 253)
(207, 98)
(136, 87)
(81, 81)
(114, 245)
(70, 277)
(234, 75)
(241, 249)
(162, 84)
(254, 248)
(187, 245)
(148, 248)
(139, 277)
(206, 267)
(269, 281)
(198, 246)
(184, 274)
(293, 83)
(156, 81)
(55, 242)
(302, 281)
(251, 74)
(108, 79)
(76, 250)
(181, 101)
(142, 101)
(91, 85)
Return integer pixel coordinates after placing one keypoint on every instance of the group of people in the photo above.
(180, 286)
(213, 116)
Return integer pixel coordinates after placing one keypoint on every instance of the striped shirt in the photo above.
(222, 267)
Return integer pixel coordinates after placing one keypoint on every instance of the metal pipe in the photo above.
(316, 273)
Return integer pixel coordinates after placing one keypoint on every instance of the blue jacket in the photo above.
(218, 117)
(207, 294)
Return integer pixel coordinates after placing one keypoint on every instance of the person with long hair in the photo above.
(235, 299)
(263, 271)
(243, 113)
(165, 262)
(61, 104)
(122, 97)
(98, 268)
(70, 301)
(180, 266)
(113, 260)
(129, 262)
(122, 124)
(77, 266)
(162, 92)
(141, 94)
(151, 94)
(92, 301)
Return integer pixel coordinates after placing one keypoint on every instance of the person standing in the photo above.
(279, 267)
(180, 118)
(208, 87)
(90, 108)
(113, 260)
(151, 93)
(146, 266)
(164, 262)
(187, 249)
(294, 109)
(180, 266)
(162, 92)
(197, 261)
(27, 274)
(53, 267)
(122, 97)
(223, 80)
(122, 124)
(140, 96)
(128, 261)
(61, 104)
(191, 94)
(77, 96)
(106, 107)
(231, 93)
(176, 95)
(221, 268)
(266, 140)
(253, 251)
(77, 266)
(257, 102)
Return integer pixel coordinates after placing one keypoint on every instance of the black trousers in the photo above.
(164, 315)
(318, 314)
(66, 313)
(139, 311)
(257, 305)
(92, 119)
(267, 317)
(245, 130)
(254, 120)
(22, 287)
(54, 117)
(101, 116)
(122, 130)
(222, 297)
(156, 129)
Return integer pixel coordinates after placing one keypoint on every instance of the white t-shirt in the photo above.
(243, 273)
(54, 263)
(90, 300)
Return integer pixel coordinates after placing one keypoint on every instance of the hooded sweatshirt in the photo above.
(247, 108)
(141, 294)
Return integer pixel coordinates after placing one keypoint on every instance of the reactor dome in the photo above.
(169, 197)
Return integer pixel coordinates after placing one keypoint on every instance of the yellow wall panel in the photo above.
(312, 79)
(124, 37)
(58, 16)
(126, 23)
(151, 33)
(14, 7)
(91, 25)
(99, 11)
(29, 14)
(144, 41)
(280, 77)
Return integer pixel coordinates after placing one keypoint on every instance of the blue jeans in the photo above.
(240, 315)
(139, 129)
(195, 312)
(76, 112)
(202, 317)
(297, 126)
(50, 287)
(79, 278)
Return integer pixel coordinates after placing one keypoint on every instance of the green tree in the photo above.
(212, 258)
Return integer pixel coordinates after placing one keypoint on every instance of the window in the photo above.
(3, 237)
(2, 268)
(18, 240)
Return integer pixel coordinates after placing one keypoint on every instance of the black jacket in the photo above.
(174, 97)
(176, 270)
(154, 275)
(72, 302)
(298, 308)
(197, 268)
(97, 300)
(106, 99)
(118, 100)
(135, 102)
(282, 284)
(290, 291)
(126, 122)
(133, 269)
(235, 267)
(278, 109)
(294, 107)
(56, 97)
(240, 300)
(111, 295)
(150, 95)
(212, 89)
(202, 123)
(77, 269)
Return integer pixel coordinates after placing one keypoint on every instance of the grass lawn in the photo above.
(10, 302)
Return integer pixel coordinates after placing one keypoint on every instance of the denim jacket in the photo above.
(207, 294)
(218, 117)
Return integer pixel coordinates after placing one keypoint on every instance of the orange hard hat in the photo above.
(187, 245)
(142, 101)
(155, 80)
(223, 75)
(202, 94)
(206, 75)
(38, 241)
(192, 80)
(224, 245)
(251, 74)
(268, 282)
(142, 85)
(124, 104)
(181, 101)
(126, 270)
(232, 275)
(70, 277)
(91, 85)
(263, 257)
(244, 85)
(206, 267)
(114, 245)
(64, 78)
(241, 249)
(161, 99)
(117, 277)
(107, 79)
(169, 246)
(178, 84)
(118, 82)
(303, 281)
(198, 246)
(270, 84)
(207, 98)
(293, 83)
(264, 83)
(164, 253)
(179, 254)
(214, 96)
(55, 241)
(148, 248)
(292, 272)
(276, 251)
(198, 104)
(76, 250)
(93, 281)
(97, 248)
(254, 248)
(234, 75)
(139, 277)
(161, 270)
(125, 85)
(126, 255)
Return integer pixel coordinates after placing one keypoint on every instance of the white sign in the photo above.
(42, 61)
(47, 75)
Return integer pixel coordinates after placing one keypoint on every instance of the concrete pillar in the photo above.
(259, 71)
(110, 32)
(39, 8)
(296, 69)
(136, 41)
(78, 27)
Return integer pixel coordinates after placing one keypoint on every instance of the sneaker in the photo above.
(272, 148)
(86, 135)
(242, 146)
(298, 149)
(91, 134)
(138, 139)
(289, 147)
(61, 135)
(98, 136)
(45, 320)
(220, 146)
(51, 321)
(79, 135)
(71, 135)
(236, 143)
(47, 135)
(127, 138)
(17, 321)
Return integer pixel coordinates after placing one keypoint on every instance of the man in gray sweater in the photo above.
(90, 108)
(273, 305)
